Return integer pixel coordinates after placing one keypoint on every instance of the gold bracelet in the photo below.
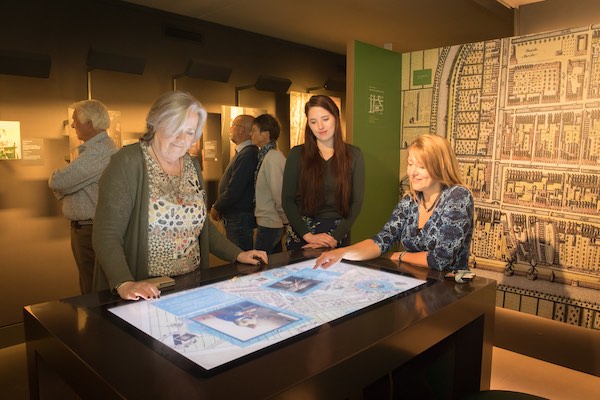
(119, 285)
(402, 253)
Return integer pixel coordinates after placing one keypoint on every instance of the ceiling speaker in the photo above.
(183, 34)
(25, 64)
(115, 62)
(272, 84)
(335, 85)
(198, 70)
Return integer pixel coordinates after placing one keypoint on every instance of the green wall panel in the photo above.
(376, 130)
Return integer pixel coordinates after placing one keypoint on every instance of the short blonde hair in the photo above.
(437, 156)
(169, 113)
(92, 111)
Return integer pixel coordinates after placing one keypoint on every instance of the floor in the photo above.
(519, 373)
(13, 372)
(510, 371)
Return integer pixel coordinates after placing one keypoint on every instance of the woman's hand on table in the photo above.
(138, 290)
(319, 240)
(253, 257)
(329, 258)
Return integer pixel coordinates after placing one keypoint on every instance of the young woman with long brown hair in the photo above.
(323, 181)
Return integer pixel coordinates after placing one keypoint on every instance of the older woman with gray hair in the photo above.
(151, 218)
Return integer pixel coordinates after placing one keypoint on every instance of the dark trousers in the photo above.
(239, 228)
(81, 244)
(268, 239)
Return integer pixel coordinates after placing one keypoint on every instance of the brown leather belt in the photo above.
(79, 224)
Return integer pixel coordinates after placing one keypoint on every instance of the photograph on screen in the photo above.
(246, 322)
(295, 284)
(303, 281)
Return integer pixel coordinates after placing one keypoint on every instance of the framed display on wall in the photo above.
(10, 140)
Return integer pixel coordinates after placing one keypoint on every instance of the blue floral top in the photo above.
(446, 235)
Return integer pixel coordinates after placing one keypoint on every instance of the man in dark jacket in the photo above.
(235, 204)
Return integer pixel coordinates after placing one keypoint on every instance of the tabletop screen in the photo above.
(218, 323)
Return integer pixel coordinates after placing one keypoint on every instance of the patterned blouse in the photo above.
(176, 215)
(446, 236)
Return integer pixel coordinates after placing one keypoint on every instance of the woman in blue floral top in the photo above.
(433, 221)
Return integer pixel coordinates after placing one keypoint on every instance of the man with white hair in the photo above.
(77, 183)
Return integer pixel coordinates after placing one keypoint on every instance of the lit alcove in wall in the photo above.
(117, 80)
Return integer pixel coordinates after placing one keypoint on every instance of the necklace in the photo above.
(435, 202)
(172, 189)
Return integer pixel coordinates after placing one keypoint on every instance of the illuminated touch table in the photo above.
(434, 340)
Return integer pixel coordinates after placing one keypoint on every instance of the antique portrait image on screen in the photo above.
(295, 284)
(245, 320)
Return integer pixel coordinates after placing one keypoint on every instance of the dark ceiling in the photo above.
(403, 25)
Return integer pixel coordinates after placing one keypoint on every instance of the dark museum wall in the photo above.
(35, 254)
(36, 263)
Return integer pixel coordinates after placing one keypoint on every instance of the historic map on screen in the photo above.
(218, 323)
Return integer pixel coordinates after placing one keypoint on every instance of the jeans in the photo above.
(239, 228)
(269, 239)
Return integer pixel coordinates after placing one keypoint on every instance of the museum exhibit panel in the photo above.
(522, 115)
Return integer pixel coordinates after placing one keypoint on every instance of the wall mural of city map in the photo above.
(523, 115)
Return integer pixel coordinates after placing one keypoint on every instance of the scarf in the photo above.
(261, 156)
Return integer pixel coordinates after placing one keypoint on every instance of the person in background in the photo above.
(235, 204)
(77, 183)
(323, 181)
(151, 215)
(270, 218)
(433, 221)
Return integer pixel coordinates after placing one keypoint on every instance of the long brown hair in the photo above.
(312, 175)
